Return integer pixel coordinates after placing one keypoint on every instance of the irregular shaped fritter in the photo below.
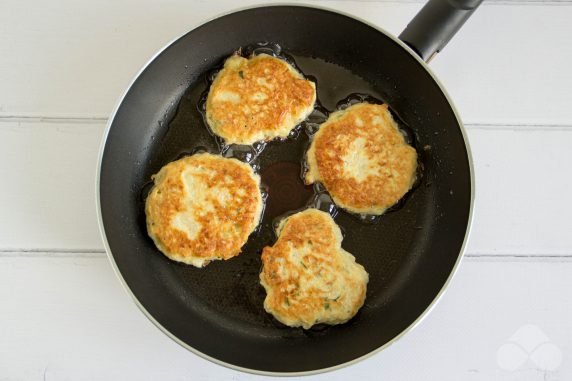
(362, 159)
(203, 207)
(258, 99)
(309, 279)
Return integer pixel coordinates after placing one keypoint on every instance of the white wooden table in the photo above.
(64, 316)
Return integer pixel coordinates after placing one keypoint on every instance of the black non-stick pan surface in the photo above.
(410, 252)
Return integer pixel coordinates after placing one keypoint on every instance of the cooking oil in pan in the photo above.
(286, 190)
(194, 151)
(318, 116)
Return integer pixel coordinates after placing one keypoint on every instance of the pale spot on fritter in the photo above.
(264, 82)
(259, 97)
(228, 96)
(356, 163)
(186, 223)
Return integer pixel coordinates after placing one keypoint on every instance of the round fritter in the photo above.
(203, 207)
(258, 99)
(362, 159)
(309, 279)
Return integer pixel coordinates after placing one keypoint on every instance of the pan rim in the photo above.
(188, 347)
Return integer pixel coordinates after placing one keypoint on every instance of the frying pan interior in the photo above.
(409, 253)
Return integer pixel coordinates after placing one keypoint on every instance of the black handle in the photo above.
(435, 24)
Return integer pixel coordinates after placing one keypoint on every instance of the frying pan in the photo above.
(410, 252)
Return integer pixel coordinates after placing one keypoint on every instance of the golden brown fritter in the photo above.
(258, 99)
(202, 208)
(362, 159)
(309, 279)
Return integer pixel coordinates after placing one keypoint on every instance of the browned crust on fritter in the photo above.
(225, 229)
(384, 144)
(285, 99)
(321, 282)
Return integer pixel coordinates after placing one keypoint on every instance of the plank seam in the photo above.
(469, 254)
(52, 119)
(534, 255)
(486, 2)
(519, 258)
(103, 120)
(519, 126)
(51, 253)
(49, 250)
(39, 254)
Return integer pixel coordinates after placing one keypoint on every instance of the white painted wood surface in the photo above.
(519, 191)
(72, 321)
(508, 65)
(63, 315)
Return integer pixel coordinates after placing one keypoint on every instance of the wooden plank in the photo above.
(512, 75)
(520, 205)
(522, 191)
(94, 50)
(48, 172)
(68, 318)
(498, 69)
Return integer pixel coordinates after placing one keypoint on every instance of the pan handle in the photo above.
(435, 24)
